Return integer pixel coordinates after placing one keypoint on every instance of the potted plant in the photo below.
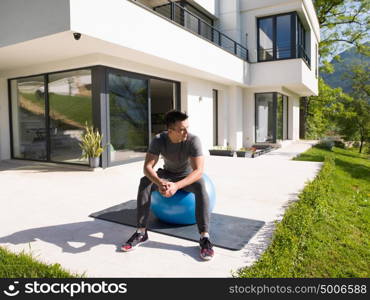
(91, 146)
(222, 151)
(246, 152)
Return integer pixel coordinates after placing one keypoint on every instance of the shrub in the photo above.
(325, 144)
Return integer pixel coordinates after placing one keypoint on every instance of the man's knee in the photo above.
(144, 181)
(199, 185)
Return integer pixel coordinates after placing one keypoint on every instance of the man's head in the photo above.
(177, 125)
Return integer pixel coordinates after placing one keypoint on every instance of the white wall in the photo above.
(154, 36)
(210, 5)
(22, 20)
(229, 19)
(293, 118)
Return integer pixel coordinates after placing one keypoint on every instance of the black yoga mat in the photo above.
(225, 231)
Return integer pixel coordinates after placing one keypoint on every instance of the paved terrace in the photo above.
(45, 207)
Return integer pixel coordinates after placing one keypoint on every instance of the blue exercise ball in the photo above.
(180, 208)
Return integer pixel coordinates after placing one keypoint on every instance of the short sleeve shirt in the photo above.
(176, 156)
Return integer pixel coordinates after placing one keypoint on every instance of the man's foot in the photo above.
(206, 248)
(138, 238)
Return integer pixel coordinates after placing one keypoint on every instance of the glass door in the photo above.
(28, 118)
(70, 107)
(265, 118)
(128, 117)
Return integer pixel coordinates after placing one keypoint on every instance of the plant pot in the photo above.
(94, 162)
(244, 153)
(222, 152)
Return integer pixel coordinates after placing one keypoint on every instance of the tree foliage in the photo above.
(354, 121)
(343, 24)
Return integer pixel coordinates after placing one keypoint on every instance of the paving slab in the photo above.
(45, 208)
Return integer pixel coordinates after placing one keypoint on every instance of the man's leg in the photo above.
(146, 187)
(202, 216)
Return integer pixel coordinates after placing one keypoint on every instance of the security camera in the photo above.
(77, 35)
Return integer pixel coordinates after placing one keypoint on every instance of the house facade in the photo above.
(237, 67)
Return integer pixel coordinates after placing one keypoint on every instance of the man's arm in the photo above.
(150, 161)
(197, 163)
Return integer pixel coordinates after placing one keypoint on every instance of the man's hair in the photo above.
(174, 116)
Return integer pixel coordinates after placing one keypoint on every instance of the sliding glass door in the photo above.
(70, 106)
(48, 115)
(28, 118)
(128, 117)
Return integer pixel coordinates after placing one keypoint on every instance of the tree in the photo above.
(354, 122)
(322, 111)
(343, 24)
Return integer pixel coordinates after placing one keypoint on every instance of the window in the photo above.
(48, 115)
(281, 37)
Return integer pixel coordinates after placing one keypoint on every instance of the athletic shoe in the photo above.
(138, 238)
(206, 251)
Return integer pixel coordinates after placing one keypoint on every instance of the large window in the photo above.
(28, 118)
(48, 115)
(49, 112)
(70, 106)
(282, 37)
(271, 117)
(128, 116)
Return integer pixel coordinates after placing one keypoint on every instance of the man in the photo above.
(183, 169)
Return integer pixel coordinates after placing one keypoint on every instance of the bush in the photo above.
(339, 144)
(325, 144)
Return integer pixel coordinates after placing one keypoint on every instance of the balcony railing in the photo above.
(301, 53)
(283, 53)
(190, 21)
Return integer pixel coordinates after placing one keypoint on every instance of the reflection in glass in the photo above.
(266, 42)
(70, 106)
(264, 118)
(128, 116)
(283, 37)
(28, 118)
(162, 99)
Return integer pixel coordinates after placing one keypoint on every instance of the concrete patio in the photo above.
(45, 208)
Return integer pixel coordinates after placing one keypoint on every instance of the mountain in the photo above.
(348, 58)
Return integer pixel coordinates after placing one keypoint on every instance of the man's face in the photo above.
(179, 131)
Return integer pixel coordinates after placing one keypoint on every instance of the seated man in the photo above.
(183, 169)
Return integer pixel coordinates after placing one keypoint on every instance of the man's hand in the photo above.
(163, 186)
(171, 189)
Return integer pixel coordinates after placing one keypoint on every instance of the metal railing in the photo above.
(301, 53)
(190, 21)
(267, 54)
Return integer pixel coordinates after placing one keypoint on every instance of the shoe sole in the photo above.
(134, 247)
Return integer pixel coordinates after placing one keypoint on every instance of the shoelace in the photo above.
(134, 237)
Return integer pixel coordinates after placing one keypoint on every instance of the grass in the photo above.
(24, 265)
(326, 233)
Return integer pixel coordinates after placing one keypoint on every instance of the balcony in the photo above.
(284, 53)
(189, 20)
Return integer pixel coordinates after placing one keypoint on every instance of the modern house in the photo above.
(237, 67)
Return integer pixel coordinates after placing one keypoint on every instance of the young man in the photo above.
(183, 169)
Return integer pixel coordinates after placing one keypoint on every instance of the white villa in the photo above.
(238, 68)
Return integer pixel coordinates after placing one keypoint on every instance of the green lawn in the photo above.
(23, 265)
(326, 233)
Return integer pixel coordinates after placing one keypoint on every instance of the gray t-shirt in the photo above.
(176, 155)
